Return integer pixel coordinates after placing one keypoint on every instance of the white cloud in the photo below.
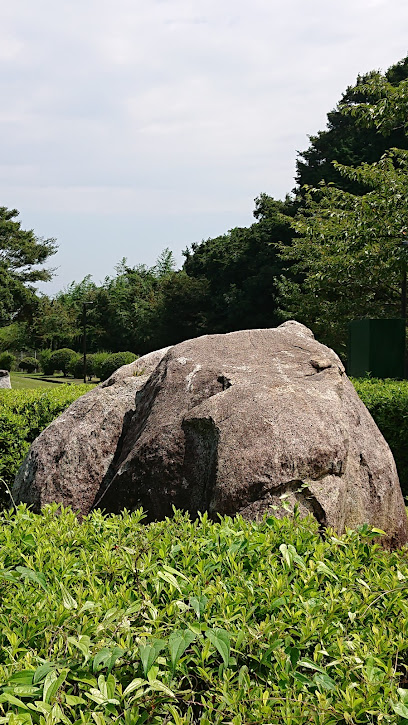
(118, 108)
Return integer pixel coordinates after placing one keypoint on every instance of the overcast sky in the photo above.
(130, 126)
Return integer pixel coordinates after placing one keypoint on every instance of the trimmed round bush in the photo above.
(89, 365)
(29, 364)
(115, 361)
(98, 358)
(62, 358)
(46, 363)
(7, 359)
(76, 365)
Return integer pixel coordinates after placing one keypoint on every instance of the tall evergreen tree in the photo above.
(240, 269)
(357, 130)
(22, 256)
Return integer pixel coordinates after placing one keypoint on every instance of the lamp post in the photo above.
(84, 306)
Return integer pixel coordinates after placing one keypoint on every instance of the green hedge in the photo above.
(23, 415)
(387, 401)
(109, 622)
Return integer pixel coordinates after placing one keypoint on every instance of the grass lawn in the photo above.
(21, 381)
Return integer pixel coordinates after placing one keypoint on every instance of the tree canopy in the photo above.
(22, 255)
(369, 119)
(383, 106)
(241, 268)
(348, 249)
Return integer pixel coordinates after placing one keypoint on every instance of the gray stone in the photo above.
(5, 381)
(75, 453)
(226, 424)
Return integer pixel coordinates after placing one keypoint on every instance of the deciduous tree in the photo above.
(348, 250)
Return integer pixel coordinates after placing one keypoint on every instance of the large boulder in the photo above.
(248, 422)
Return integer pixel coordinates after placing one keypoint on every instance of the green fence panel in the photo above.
(376, 347)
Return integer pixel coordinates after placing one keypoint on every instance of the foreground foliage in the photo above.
(198, 622)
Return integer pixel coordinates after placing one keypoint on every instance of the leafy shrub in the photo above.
(89, 365)
(46, 362)
(29, 364)
(109, 621)
(115, 361)
(62, 358)
(23, 415)
(76, 365)
(387, 401)
(7, 360)
(98, 358)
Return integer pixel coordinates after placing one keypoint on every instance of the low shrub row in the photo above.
(23, 415)
(198, 623)
(99, 364)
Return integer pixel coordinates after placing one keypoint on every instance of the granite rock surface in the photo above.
(248, 422)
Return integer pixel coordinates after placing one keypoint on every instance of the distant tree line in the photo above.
(330, 252)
